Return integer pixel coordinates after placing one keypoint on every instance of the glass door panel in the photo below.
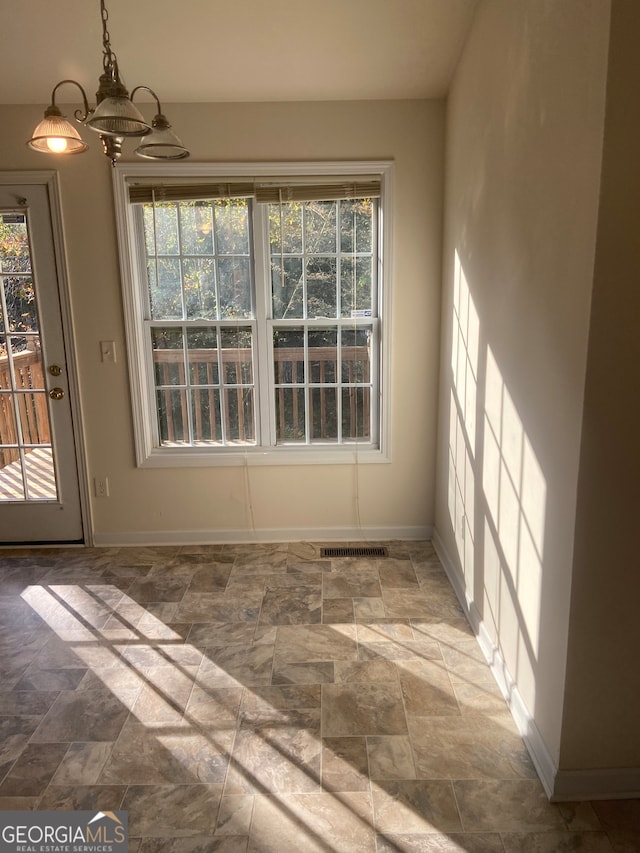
(26, 455)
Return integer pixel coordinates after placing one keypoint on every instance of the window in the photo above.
(256, 309)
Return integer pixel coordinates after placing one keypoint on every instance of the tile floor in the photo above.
(258, 698)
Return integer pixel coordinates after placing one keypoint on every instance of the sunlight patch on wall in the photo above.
(494, 471)
(462, 428)
(515, 495)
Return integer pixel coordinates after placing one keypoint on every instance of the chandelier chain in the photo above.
(110, 61)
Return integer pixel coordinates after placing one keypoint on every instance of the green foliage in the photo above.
(17, 283)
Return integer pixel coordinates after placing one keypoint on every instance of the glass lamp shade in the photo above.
(118, 116)
(161, 143)
(55, 135)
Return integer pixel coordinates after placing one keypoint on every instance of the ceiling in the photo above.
(245, 50)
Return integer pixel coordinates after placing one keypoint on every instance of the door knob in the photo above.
(56, 393)
(55, 369)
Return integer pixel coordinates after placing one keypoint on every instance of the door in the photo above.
(39, 487)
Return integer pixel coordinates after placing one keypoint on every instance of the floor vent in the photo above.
(354, 552)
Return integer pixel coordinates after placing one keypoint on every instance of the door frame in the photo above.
(50, 179)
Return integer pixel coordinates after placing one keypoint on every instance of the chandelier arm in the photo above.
(80, 117)
(151, 92)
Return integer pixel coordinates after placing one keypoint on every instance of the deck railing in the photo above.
(30, 400)
(204, 367)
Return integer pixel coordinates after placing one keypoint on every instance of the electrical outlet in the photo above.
(101, 487)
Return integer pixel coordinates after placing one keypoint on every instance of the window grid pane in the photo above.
(322, 258)
(198, 259)
(323, 383)
(204, 385)
(199, 272)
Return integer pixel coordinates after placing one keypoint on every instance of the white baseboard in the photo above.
(309, 534)
(617, 784)
(559, 785)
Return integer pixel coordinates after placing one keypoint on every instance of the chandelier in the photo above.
(115, 117)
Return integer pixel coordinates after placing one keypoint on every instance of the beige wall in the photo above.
(524, 144)
(603, 674)
(285, 502)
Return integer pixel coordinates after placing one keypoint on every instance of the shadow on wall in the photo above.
(497, 496)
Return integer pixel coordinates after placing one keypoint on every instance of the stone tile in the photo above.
(579, 816)
(306, 552)
(172, 811)
(275, 759)
(415, 807)
(265, 716)
(351, 584)
(479, 698)
(200, 844)
(382, 630)
(227, 666)
(160, 588)
(345, 766)
(362, 709)
(427, 689)
(451, 631)
(317, 672)
(312, 566)
(26, 703)
(212, 577)
(408, 603)
(294, 606)
(468, 748)
(234, 816)
(390, 757)
(164, 696)
(259, 554)
(91, 715)
(368, 608)
(33, 770)
(422, 549)
(82, 797)
(337, 610)
(15, 733)
(395, 573)
(18, 804)
(82, 764)
(298, 643)
(214, 707)
(514, 805)
(373, 671)
(556, 842)
(400, 650)
(311, 581)
(204, 634)
(168, 754)
(219, 607)
(466, 662)
(256, 699)
(313, 823)
(436, 842)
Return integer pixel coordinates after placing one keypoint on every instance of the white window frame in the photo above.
(148, 453)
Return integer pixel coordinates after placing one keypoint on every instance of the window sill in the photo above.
(194, 457)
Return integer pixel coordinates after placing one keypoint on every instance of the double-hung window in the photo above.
(256, 303)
